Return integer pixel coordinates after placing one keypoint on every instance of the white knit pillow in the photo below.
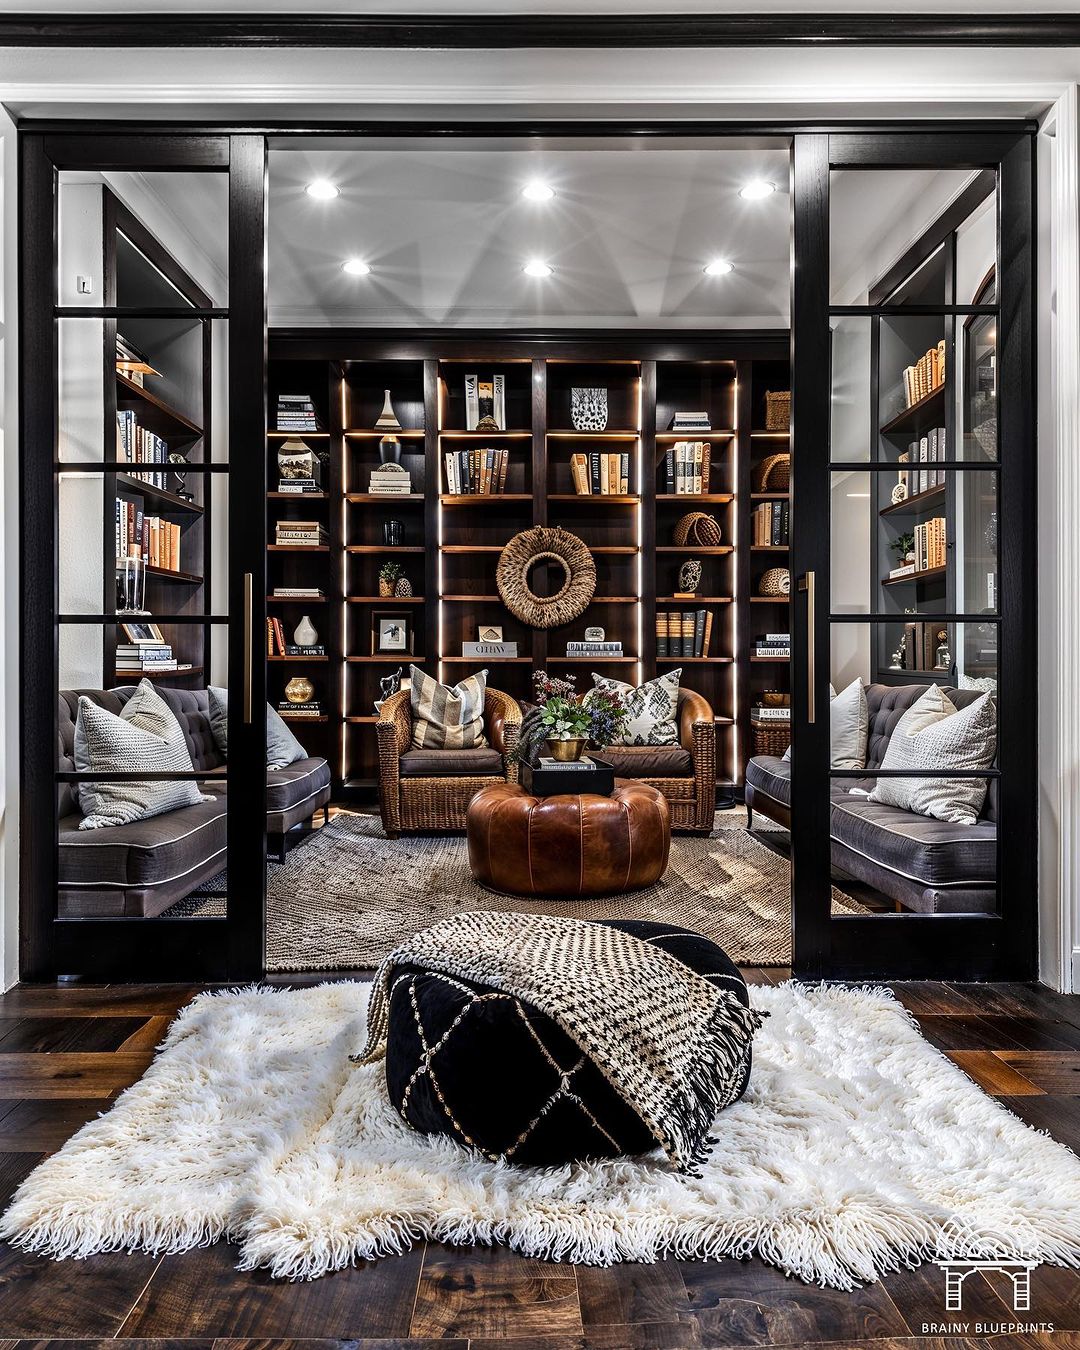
(848, 721)
(145, 738)
(959, 740)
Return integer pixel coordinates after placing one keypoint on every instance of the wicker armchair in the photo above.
(414, 794)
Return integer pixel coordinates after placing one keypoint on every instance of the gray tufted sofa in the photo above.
(929, 866)
(142, 868)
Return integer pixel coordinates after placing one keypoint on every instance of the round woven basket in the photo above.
(545, 543)
(697, 528)
(776, 581)
(773, 474)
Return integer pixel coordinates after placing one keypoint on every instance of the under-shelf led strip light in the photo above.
(637, 531)
(343, 737)
(438, 484)
(736, 636)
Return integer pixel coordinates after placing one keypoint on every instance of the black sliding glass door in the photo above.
(914, 438)
(143, 421)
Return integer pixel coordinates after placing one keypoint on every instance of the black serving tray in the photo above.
(556, 782)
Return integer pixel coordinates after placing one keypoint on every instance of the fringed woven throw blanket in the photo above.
(670, 1044)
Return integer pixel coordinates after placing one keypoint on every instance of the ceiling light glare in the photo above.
(536, 268)
(537, 191)
(719, 267)
(322, 190)
(355, 267)
(758, 189)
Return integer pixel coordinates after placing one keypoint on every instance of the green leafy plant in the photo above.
(902, 545)
(390, 571)
(564, 719)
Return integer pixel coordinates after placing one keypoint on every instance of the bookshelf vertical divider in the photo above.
(646, 521)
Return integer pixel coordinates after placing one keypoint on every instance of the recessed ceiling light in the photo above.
(322, 190)
(754, 191)
(537, 191)
(536, 268)
(719, 267)
(356, 267)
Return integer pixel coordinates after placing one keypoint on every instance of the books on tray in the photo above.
(582, 765)
(601, 474)
(480, 472)
(683, 633)
(687, 466)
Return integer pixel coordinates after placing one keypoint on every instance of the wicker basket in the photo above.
(778, 410)
(770, 737)
(699, 528)
(776, 581)
(773, 474)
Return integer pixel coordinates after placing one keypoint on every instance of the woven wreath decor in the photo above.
(697, 528)
(544, 543)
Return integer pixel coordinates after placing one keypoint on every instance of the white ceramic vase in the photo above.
(304, 634)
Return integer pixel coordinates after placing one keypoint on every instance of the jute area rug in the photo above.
(348, 896)
(858, 1149)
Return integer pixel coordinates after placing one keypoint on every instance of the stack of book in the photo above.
(599, 474)
(686, 468)
(300, 533)
(775, 646)
(299, 593)
(146, 658)
(691, 421)
(136, 445)
(480, 472)
(276, 644)
(299, 486)
(769, 523)
(919, 649)
(296, 412)
(762, 712)
(389, 480)
(310, 710)
(683, 633)
(930, 544)
(926, 375)
(155, 541)
(489, 649)
(929, 449)
(597, 649)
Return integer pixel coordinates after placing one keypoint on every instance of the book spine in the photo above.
(708, 633)
(669, 470)
(661, 633)
(699, 633)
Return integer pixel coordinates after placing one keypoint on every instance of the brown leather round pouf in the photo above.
(580, 844)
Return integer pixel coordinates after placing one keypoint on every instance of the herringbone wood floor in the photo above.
(65, 1053)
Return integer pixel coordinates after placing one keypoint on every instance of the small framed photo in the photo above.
(141, 632)
(489, 632)
(391, 634)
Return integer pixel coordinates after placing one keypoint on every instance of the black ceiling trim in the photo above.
(138, 29)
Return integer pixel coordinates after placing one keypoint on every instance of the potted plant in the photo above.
(567, 727)
(904, 548)
(388, 575)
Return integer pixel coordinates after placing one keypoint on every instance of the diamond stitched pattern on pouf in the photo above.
(496, 1075)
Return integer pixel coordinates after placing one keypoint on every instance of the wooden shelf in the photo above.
(770, 660)
(694, 660)
(518, 435)
(180, 578)
(297, 435)
(163, 409)
(773, 435)
(929, 411)
(676, 498)
(769, 548)
(367, 720)
(484, 660)
(916, 578)
(384, 497)
(695, 600)
(769, 496)
(398, 659)
(695, 548)
(572, 435)
(483, 498)
(384, 599)
(298, 496)
(168, 503)
(596, 498)
(385, 548)
(133, 676)
(293, 717)
(666, 437)
(297, 599)
(298, 658)
(298, 548)
(770, 599)
(366, 434)
(912, 505)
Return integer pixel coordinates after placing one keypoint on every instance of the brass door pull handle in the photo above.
(806, 583)
(248, 646)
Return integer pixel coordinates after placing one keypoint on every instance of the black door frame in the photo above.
(1008, 947)
(159, 949)
(1001, 946)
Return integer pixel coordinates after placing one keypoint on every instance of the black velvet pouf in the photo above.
(490, 1071)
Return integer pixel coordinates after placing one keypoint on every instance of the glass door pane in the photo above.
(146, 764)
(916, 766)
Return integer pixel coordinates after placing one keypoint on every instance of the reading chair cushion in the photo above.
(446, 718)
(479, 763)
(649, 761)
(497, 1082)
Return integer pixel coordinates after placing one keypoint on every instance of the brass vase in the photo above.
(567, 751)
(299, 689)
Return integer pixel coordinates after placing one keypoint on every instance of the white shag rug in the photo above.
(858, 1149)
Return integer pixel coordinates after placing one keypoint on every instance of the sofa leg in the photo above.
(749, 816)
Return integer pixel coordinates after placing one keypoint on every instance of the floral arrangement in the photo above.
(565, 719)
(563, 714)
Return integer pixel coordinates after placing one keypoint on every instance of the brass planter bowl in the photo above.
(567, 751)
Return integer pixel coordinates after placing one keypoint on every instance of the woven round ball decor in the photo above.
(697, 527)
(544, 543)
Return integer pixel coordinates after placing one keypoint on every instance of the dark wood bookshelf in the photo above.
(928, 411)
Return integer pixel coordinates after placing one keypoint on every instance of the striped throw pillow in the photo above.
(445, 718)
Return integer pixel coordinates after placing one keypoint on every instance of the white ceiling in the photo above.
(446, 233)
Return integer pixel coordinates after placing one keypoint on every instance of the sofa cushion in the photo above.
(772, 775)
(479, 763)
(650, 708)
(190, 707)
(847, 726)
(649, 761)
(282, 747)
(156, 852)
(931, 852)
(144, 738)
(296, 783)
(446, 718)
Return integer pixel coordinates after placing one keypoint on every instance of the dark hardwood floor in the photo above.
(66, 1053)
